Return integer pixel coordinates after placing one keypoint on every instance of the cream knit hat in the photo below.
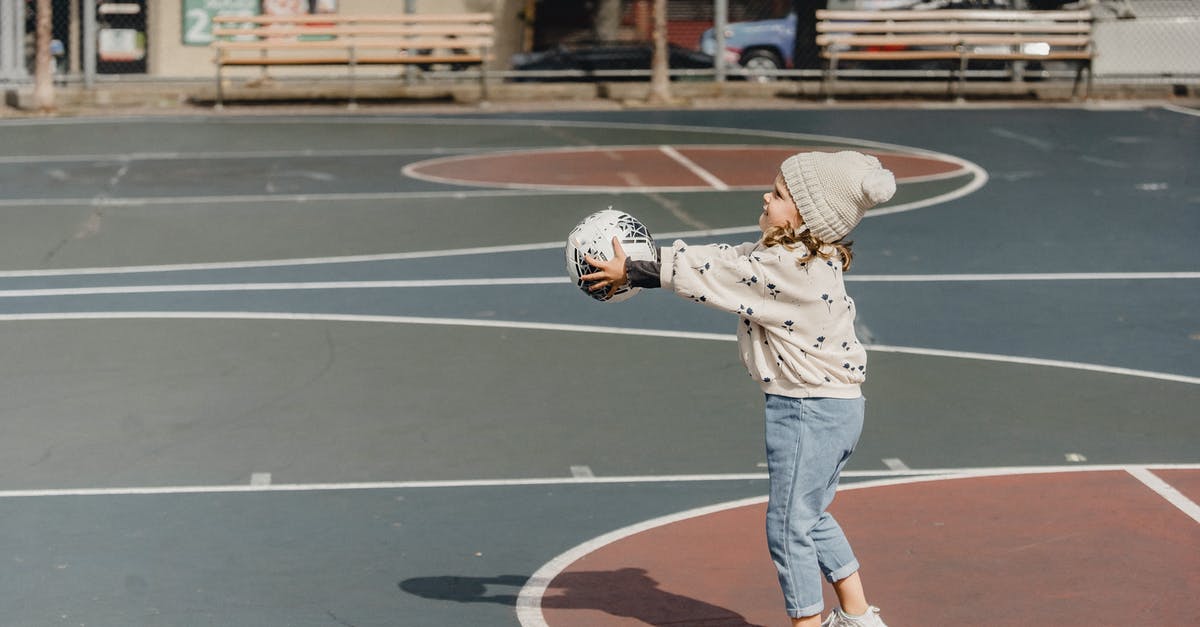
(834, 190)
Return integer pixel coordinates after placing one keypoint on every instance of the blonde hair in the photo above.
(787, 237)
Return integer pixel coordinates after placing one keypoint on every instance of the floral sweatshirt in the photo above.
(796, 333)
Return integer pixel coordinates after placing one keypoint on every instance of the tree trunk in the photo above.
(660, 80)
(43, 79)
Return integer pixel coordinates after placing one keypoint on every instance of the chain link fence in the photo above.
(87, 36)
(1135, 40)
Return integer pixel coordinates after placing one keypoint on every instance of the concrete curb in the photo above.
(199, 96)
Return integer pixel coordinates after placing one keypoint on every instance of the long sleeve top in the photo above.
(796, 329)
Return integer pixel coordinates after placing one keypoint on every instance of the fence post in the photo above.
(12, 40)
(89, 44)
(720, 20)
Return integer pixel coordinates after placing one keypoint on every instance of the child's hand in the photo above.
(610, 274)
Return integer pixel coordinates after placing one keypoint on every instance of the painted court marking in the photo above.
(1167, 491)
(485, 282)
(1183, 110)
(707, 176)
(574, 328)
(529, 600)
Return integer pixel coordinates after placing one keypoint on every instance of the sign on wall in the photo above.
(198, 17)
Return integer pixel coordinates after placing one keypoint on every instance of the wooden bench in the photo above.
(957, 37)
(461, 40)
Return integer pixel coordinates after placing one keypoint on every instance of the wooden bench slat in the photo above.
(446, 58)
(950, 40)
(443, 31)
(408, 44)
(1003, 40)
(341, 60)
(345, 60)
(416, 18)
(950, 27)
(888, 40)
(956, 14)
(894, 55)
(1017, 56)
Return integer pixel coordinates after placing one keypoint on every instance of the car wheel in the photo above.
(761, 65)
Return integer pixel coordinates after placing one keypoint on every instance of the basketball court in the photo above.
(328, 370)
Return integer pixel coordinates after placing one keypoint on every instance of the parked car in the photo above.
(591, 58)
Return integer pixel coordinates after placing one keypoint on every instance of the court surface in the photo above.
(327, 370)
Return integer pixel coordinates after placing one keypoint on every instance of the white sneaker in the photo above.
(838, 618)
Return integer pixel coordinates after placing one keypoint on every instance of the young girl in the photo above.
(796, 338)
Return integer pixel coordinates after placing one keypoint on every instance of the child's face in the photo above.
(778, 207)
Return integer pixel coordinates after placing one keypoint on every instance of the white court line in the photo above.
(529, 599)
(572, 328)
(890, 477)
(1033, 361)
(285, 263)
(268, 287)
(1045, 276)
(249, 154)
(1167, 491)
(1183, 110)
(461, 194)
(553, 280)
(694, 168)
(375, 485)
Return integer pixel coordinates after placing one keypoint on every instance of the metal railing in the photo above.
(1149, 41)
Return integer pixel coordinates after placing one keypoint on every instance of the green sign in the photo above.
(198, 17)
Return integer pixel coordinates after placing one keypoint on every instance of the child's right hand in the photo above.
(610, 274)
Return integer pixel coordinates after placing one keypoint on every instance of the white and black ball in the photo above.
(593, 236)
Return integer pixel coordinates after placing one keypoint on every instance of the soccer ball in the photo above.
(593, 237)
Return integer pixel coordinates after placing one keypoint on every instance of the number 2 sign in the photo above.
(198, 17)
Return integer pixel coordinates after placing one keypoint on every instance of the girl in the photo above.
(796, 338)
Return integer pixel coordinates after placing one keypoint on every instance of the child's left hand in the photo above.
(611, 273)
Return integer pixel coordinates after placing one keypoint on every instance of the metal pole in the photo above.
(74, 62)
(7, 36)
(660, 78)
(410, 71)
(12, 39)
(89, 43)
(720, 20)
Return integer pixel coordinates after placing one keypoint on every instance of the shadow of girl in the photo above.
(627, 593)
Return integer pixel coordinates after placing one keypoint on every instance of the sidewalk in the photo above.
(146, 97)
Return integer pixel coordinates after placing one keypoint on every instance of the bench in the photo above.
(461, 40)
(957, 37)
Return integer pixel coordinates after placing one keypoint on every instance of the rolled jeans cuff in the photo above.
(843, 572)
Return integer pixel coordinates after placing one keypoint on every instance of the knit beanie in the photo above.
(834, 190)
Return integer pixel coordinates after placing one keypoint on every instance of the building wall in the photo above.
(169, 57)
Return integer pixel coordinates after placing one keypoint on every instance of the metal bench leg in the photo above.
(961, 96)
(1087, 94)
(353, 104)
(220, 90)
(220, 104)
(485, 52)
(828, 83)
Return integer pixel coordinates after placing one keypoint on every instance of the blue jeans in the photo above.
(809, 441)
